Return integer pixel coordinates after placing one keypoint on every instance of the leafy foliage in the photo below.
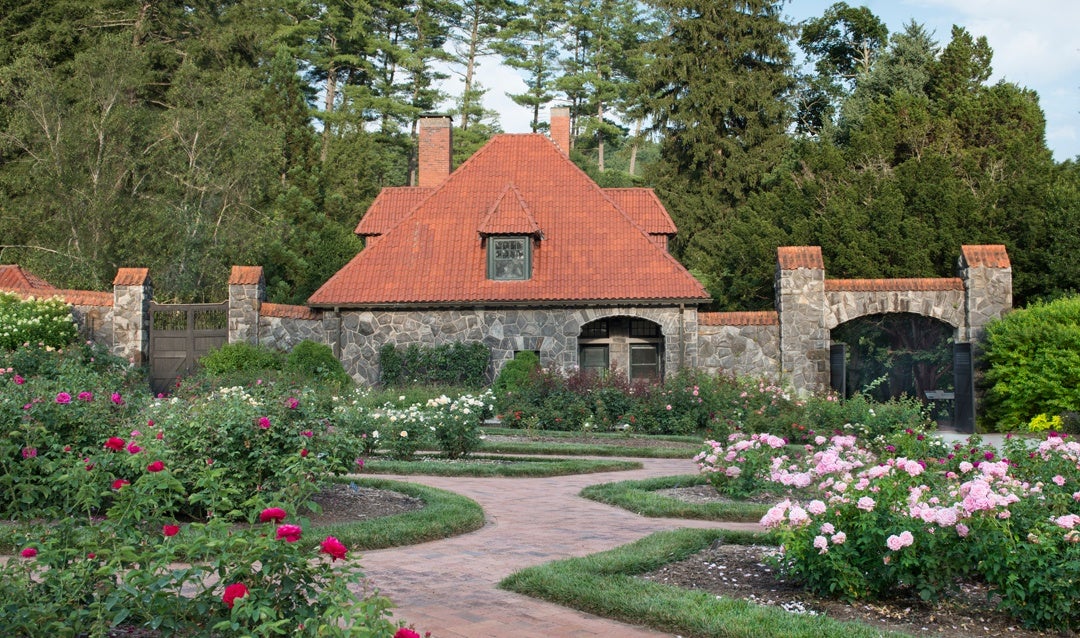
(1033, 359)
(457, 363)
(240, 357)
(45, 322)
(310, 360)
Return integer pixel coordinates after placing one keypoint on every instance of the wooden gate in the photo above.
(179, 335)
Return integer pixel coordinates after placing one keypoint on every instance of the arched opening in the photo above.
(891, 355)
(631, 345)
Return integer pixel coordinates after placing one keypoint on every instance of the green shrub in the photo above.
(515, 373)
(240, 357)
(1033, 364)
(316, 360)
(43, 322)
(457, 363)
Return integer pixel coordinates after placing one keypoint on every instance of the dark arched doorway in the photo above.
(897, 354)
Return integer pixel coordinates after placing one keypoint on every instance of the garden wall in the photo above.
(789, 345)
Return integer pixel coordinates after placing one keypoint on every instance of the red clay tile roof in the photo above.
(510, 216)
(72, 297)
(889, 285)
(131, 276)
(389, 208)
(644, 207)
(755, 318)
(13, 277)
(245, 275)
(985, 256)
(85, 297)
(795, 257)
(592, 250)
(287, 312)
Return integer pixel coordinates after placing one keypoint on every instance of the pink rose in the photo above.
(333, 547)
(29, 552)
(291, 533)
(274, 514)
(19, 380)
(264, 422)
(63, 397)
(117, 399)
(134, 449)
(405, 632)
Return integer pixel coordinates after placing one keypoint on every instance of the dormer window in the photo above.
(509, 258)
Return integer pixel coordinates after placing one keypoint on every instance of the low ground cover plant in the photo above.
(921, 515)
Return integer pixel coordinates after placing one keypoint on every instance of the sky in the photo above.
(1036, 45)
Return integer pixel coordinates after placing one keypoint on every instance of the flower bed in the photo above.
(924, 515)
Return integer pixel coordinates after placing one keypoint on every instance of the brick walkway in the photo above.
(449, 587)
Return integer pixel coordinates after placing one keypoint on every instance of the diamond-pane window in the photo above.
(509, 258)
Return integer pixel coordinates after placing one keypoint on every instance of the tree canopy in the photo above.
(187, 138)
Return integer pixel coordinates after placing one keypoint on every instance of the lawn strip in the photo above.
(605, 584)
(498, 466)
(641, 498)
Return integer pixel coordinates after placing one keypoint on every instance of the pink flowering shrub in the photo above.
(874, 525)
(741, 467)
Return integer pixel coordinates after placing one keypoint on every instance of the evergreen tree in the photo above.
(530, 43)
(718, 92)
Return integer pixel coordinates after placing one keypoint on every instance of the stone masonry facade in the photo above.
(789, 346)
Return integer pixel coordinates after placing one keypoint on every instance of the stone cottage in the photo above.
(520, 249)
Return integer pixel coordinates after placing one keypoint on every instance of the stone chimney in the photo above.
(435, 150)
(560, 128)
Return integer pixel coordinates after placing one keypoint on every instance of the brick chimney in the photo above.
(434, 150)
(560, 128)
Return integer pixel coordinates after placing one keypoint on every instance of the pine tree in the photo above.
(718, 89)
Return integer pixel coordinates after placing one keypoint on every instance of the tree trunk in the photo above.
(331, 94)
(634, 146)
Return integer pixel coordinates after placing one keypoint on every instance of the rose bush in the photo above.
(85, 579)
(868, 526)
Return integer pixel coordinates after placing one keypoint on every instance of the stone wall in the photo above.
(740, 344)
(551, 331)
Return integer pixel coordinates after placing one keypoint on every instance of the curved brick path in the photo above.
(449, 587)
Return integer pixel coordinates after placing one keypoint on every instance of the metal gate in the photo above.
(179, 335)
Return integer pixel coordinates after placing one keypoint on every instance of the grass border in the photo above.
(607, 444)
(444, 514)
(523, 467)
(641, 498)
(606, 584)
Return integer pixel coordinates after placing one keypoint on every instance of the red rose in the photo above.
(334, 547)
(232, 592)
(405, 632)
(114, 443)
(29, 552)
(134, 449)
(170, 530)
(291, 533)
(275, 514)
(156, 466)
(264, 423)
(303, 453)
(118, 483)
